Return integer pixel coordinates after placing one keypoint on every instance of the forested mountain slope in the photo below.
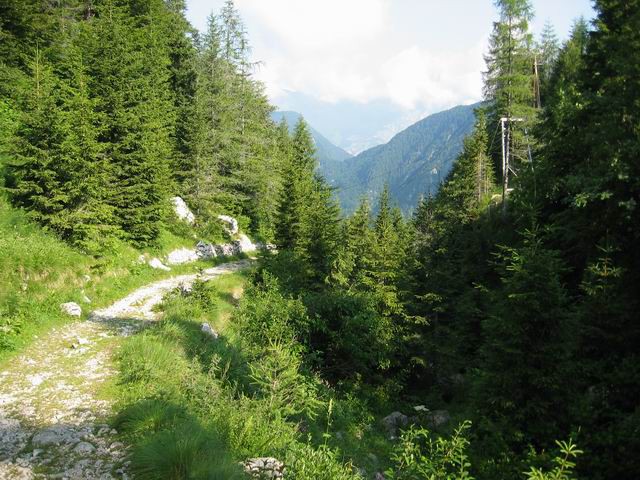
(484, 337)
(326, 152)
(413, 163)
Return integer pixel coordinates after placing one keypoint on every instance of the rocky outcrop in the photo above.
(264, 468)
(232, 224)
(182, 255)
(182, 210)
(208, 330)
(438, 418)
(72, 309)
(393, 422)
(157, 264)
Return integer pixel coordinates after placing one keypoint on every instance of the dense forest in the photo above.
(500, 320)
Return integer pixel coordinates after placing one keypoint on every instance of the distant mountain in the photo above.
(414, 162)
(327, 152)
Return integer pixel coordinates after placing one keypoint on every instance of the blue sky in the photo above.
(361, 70)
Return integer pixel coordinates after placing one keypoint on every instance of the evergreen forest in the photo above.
(493, 333)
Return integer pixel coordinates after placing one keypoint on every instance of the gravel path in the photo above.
(55, 400)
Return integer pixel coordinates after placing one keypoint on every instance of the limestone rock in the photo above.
(264, 468)
(245, 245)
(52, 436)
(206, 328)
(232, 224)
(158, 265)
(438, 418)
(205, 250)
(182, 255)
(393, 422)
(71, 308)
(182, 210)
(84, 448)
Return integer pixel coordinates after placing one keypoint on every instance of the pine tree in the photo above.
(353, 265)
(509, 81)
(548, 50)
(297, 186)
(131, 79)
(529, 340)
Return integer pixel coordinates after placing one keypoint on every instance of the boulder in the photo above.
(264, 468)
(84, 448)
(182, 210)
(245, 245)
(205, 250)
(232, 224)
(393, 422)
(158, 265)
(438, 418)
(52, 436)
(182, 255)
(208, 330)
(72, 309)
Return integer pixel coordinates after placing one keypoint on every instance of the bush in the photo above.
(278, 379)
(266, 316)
(305, 462)
(421, 455)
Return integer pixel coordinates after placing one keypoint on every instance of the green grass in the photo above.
(186, 404)
(38, 272)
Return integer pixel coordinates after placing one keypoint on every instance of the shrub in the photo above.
(277, 376)
(421, 455)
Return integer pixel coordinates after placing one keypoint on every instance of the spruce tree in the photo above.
(130, 77)
(508, 80)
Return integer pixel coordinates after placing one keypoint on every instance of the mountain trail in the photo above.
(55, 398)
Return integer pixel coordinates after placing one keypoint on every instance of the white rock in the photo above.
(245, 244)
(205, 250)
(71, 308)
(158, 265)
(232, 223)
(206, 328)
(264, 467)
(84, 448)
(182, 210)
(182, 255)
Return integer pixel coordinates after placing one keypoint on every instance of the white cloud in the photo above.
(355, 50)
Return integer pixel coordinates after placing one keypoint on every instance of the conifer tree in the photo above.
(529, 341)
(508, 80)
(297, 186)
(131, 80)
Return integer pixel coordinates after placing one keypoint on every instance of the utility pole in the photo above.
(537, 102)
(506, 156)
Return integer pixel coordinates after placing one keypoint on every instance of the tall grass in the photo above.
(194, 409)
(38, 272)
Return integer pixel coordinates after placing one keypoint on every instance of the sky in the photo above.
(362, 70)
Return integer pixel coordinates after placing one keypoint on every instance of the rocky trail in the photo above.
(54, 398)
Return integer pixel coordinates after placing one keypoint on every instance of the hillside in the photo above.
(413, 162)
(326, 152)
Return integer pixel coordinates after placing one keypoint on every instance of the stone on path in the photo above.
(72, 309)
(158, 265)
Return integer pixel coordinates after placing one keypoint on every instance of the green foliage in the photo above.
(277, 376)
(307, 463)
(266, 316)
(422, 456)
(563, 464)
